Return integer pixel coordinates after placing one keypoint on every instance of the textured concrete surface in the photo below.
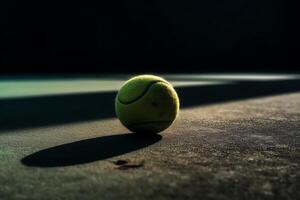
(242, 147)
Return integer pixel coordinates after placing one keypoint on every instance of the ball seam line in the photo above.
(142, 94)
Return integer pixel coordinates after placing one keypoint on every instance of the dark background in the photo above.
(167, 36)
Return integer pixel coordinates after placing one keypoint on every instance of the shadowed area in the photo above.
(60, 109)
(89, 150)
(197, 95)
(56, 109)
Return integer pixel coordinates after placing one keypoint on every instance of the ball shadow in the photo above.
(89, 150)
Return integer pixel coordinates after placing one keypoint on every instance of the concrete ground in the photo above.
(237, 137)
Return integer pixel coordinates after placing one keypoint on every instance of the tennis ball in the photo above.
(147, 104)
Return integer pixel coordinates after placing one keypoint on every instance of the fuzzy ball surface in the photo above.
(147, 104)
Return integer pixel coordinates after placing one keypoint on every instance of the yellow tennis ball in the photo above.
(147, 104)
